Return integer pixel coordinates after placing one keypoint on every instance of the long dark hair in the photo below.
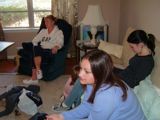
(139, 36)
(102, 69)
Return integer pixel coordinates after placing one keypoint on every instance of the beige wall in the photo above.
(140, 14)
(110, 11)
(18, 37)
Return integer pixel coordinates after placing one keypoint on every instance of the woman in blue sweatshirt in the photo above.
(106, 96)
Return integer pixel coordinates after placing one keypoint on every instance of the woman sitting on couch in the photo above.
(140, 65)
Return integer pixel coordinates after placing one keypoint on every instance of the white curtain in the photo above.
(68, 10)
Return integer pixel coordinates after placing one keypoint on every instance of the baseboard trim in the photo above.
(11, 57)
(14, 73)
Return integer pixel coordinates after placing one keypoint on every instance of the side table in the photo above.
(80, 47)
(4, 45)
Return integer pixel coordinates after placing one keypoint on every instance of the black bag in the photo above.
(12, 97)
(39, 116)
(35, 97)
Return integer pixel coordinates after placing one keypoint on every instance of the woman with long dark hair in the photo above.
(106, 96)
(140, 65)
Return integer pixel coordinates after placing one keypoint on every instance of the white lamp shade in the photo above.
(93, 16)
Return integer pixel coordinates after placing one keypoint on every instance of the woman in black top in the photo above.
(140, 65)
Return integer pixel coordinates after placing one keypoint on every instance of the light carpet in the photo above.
(49, 91)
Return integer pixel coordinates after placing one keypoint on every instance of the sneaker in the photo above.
(62, 98)
(30, 82)
(39, 74)
(60, 108)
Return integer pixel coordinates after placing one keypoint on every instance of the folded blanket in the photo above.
(149, 99)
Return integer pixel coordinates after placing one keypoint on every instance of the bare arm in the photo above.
(55, 117)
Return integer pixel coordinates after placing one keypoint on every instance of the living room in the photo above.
(119, 14)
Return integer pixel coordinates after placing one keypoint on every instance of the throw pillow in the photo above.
(111, 48)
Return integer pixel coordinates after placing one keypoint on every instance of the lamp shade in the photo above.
(93, 16)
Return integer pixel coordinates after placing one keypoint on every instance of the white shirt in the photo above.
(49, 40)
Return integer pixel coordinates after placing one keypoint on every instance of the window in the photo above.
(23, 13)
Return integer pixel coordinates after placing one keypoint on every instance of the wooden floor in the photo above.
(9, 66)
(70, 63)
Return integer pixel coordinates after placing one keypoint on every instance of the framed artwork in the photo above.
(102, 32)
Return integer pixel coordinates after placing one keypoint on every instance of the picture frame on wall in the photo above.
(102, 32)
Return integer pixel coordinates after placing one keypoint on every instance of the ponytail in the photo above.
(139, 36)
(151, 43)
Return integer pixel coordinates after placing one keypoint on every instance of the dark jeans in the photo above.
(46, 54)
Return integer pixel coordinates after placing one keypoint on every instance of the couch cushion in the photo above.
(120, 55)
(118, 63)
(115, 52)
(111, 48)
(127, 52)
(155, 75)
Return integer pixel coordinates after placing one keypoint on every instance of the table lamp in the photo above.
(94, 18)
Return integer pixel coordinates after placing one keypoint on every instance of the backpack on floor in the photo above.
(29, 102)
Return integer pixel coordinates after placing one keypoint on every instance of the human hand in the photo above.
(54, 117)
(55, 50)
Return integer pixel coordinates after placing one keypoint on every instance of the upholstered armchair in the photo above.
(52, 68)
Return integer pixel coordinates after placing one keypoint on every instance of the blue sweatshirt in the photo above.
(108, 105)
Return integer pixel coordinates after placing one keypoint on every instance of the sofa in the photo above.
(148, 91)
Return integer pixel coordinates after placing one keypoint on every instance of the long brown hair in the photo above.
(74, 74)
(102, 69)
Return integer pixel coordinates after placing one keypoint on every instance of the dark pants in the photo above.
(46, 54)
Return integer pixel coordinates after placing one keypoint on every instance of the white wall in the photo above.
(140, 14)
(18, 37)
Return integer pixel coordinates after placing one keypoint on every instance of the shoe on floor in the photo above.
(30, 82)
(60, 108)
(39, 74)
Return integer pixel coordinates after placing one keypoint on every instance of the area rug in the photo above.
(49, 91)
